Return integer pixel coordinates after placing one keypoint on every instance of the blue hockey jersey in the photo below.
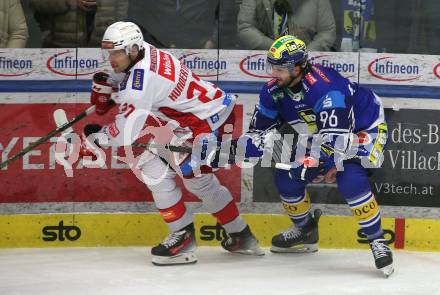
(327, 103)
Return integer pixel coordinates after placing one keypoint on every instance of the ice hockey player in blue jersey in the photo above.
(344, 126)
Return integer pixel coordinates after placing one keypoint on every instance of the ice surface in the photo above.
(129, 271)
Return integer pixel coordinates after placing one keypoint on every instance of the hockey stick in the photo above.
(45, 138)
(60, 119)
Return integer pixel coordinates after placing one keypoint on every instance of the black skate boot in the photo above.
(243, 242)
(383, 257)
(298, 239)
(177, 248)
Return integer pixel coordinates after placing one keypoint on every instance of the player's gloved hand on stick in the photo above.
(252, 150)
(258, 143)
(86, 147)
(308, 169)
(101, 93)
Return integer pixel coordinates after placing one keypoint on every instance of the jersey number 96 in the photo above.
(328, 120)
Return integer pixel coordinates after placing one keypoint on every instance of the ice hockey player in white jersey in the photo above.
(156, 84)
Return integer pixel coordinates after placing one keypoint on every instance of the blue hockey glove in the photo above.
(259, 142)
(308, 170)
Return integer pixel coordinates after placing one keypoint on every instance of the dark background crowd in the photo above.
(397, 26)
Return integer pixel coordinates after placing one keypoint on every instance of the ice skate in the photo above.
(298, 240)
(243, 242)
(177, 248)
(383, 257)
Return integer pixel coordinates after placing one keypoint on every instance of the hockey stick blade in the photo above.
(60, 119)
(45, 138)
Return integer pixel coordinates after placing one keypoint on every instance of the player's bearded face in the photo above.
(118, 59)
(282, 74)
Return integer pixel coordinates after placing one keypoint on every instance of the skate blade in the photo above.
(305, 248)
(387, 270)
(254, 251)
(179, 259)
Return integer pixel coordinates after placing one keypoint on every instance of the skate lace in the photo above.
(229, 241)
(379, 249)
(292, 233)
(173, 239)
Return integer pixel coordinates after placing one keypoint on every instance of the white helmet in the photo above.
(122, 35)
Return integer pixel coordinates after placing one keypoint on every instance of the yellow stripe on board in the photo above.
(86, 230)
(422, 234)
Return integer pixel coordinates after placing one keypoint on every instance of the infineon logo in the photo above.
(202, 65)
(385, 69)
(348, 70)
(255, 66)
(436, 70)
(11, 67)
(66, 64)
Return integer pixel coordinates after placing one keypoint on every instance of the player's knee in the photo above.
(287, 186)
(157, 181)
(353, 181)
(203, 184)
(156, 173)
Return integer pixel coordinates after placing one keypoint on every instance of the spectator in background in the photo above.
(408, 26)
(184, 24)
(358, 26)
(260, 22)
(425, 27)
(13, 28)
(77, 23)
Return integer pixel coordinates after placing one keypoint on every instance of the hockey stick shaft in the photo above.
(48, 136)
(60, 118)
(228, 157)
(172, 148)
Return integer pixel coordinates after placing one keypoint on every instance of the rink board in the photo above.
(48, 181)
(87, 230)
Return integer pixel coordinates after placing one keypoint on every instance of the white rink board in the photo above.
(224, 65)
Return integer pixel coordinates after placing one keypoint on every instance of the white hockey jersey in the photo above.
(161, 86)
